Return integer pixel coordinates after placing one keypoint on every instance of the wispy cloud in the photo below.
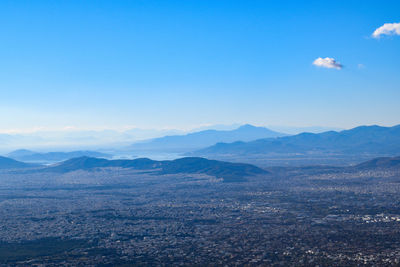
(387, 29)
(327, 62)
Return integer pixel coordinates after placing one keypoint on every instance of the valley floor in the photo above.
(122, 217)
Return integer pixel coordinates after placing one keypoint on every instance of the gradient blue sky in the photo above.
(180, 64)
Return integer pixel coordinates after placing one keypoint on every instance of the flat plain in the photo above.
(114, 216)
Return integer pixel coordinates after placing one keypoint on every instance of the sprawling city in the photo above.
(199, 133)
(116, 216)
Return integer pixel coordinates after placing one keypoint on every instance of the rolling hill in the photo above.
(7, 163)
(380, 163)
(230, 172)
(197, 140)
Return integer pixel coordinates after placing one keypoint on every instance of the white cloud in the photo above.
(387, 29)
(361, 66)
(327, 62)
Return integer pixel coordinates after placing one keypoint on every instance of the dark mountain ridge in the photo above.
(230, 172)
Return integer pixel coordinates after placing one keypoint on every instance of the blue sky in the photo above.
(181, 64)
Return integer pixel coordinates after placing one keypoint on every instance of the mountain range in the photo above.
(374, 140)
(229, 172)
(32, 156)
(201, 139)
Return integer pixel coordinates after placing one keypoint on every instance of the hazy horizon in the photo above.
(154, 65)
(70, 138)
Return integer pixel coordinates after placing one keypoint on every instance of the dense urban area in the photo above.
(199, 133)
(114, 216)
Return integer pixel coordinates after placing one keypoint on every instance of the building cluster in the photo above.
(289, 219)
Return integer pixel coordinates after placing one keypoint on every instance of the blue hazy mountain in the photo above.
(20, 153)
(230, 172)
(374, 140)
(201, 139)
(7, 163)
(32, 156)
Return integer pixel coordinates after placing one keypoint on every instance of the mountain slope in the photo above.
(7, 163)
(364, 139)
(230, 172)
(380, 163)
(189, 142)
(220, 169)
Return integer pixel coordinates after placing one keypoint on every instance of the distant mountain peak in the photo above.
(248, 126)
(201, 139)
(20, 152)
